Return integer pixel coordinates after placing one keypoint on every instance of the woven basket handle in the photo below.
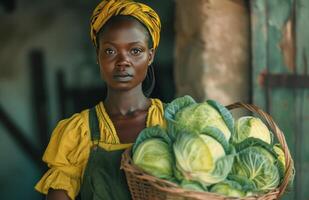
(280, 136)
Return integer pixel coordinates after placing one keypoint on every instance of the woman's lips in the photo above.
(123, 77)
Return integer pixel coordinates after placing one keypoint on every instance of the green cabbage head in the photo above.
(203, 157)
(257, 162)
(249, 126)
(280, 153)
(282, 166)
(185, 113)
(153, 153)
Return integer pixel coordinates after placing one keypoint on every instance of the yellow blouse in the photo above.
(68, 150)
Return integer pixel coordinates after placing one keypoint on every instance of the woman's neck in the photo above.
(125, 102)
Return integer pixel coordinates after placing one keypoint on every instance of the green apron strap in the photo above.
(94, 125)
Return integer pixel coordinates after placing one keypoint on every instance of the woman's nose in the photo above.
(123, 59)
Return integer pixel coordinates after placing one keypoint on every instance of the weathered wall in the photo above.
(212, 50)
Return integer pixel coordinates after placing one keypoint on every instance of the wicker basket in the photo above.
(146, 187)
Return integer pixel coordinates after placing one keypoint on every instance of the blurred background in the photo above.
(253, 51)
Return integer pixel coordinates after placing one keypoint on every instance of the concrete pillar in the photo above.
(212, 50)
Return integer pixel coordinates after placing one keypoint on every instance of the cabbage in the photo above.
(199, 116)
(228, 188)
(154, 157)
(280, 154)
(188, 115)
(257, 168)
(281, 165)
(153, 153)
(256, 161)
(249, 126)
(202, 157)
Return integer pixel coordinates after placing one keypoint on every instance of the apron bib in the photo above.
(103, 179)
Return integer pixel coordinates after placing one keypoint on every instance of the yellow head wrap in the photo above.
(108, 8)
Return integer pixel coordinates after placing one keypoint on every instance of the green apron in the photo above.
(103, 179)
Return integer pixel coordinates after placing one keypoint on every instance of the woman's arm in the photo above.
(57, 195)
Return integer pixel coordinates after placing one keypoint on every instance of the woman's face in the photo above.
(124, 55)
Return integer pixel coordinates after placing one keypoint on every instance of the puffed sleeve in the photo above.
(66, 156)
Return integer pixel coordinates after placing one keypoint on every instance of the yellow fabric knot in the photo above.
(108, 8)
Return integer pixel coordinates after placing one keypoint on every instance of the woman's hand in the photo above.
(57, 195)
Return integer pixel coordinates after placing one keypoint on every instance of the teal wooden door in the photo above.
(280, 80)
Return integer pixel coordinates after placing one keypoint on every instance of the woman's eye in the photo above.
(136, 51)
(109, 51)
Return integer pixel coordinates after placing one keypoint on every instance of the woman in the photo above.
(84, 151)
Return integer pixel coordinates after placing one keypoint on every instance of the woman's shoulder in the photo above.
(71, 129)
(75, 121)
(70, 135)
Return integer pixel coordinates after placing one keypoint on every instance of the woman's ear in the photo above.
(152, 53)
